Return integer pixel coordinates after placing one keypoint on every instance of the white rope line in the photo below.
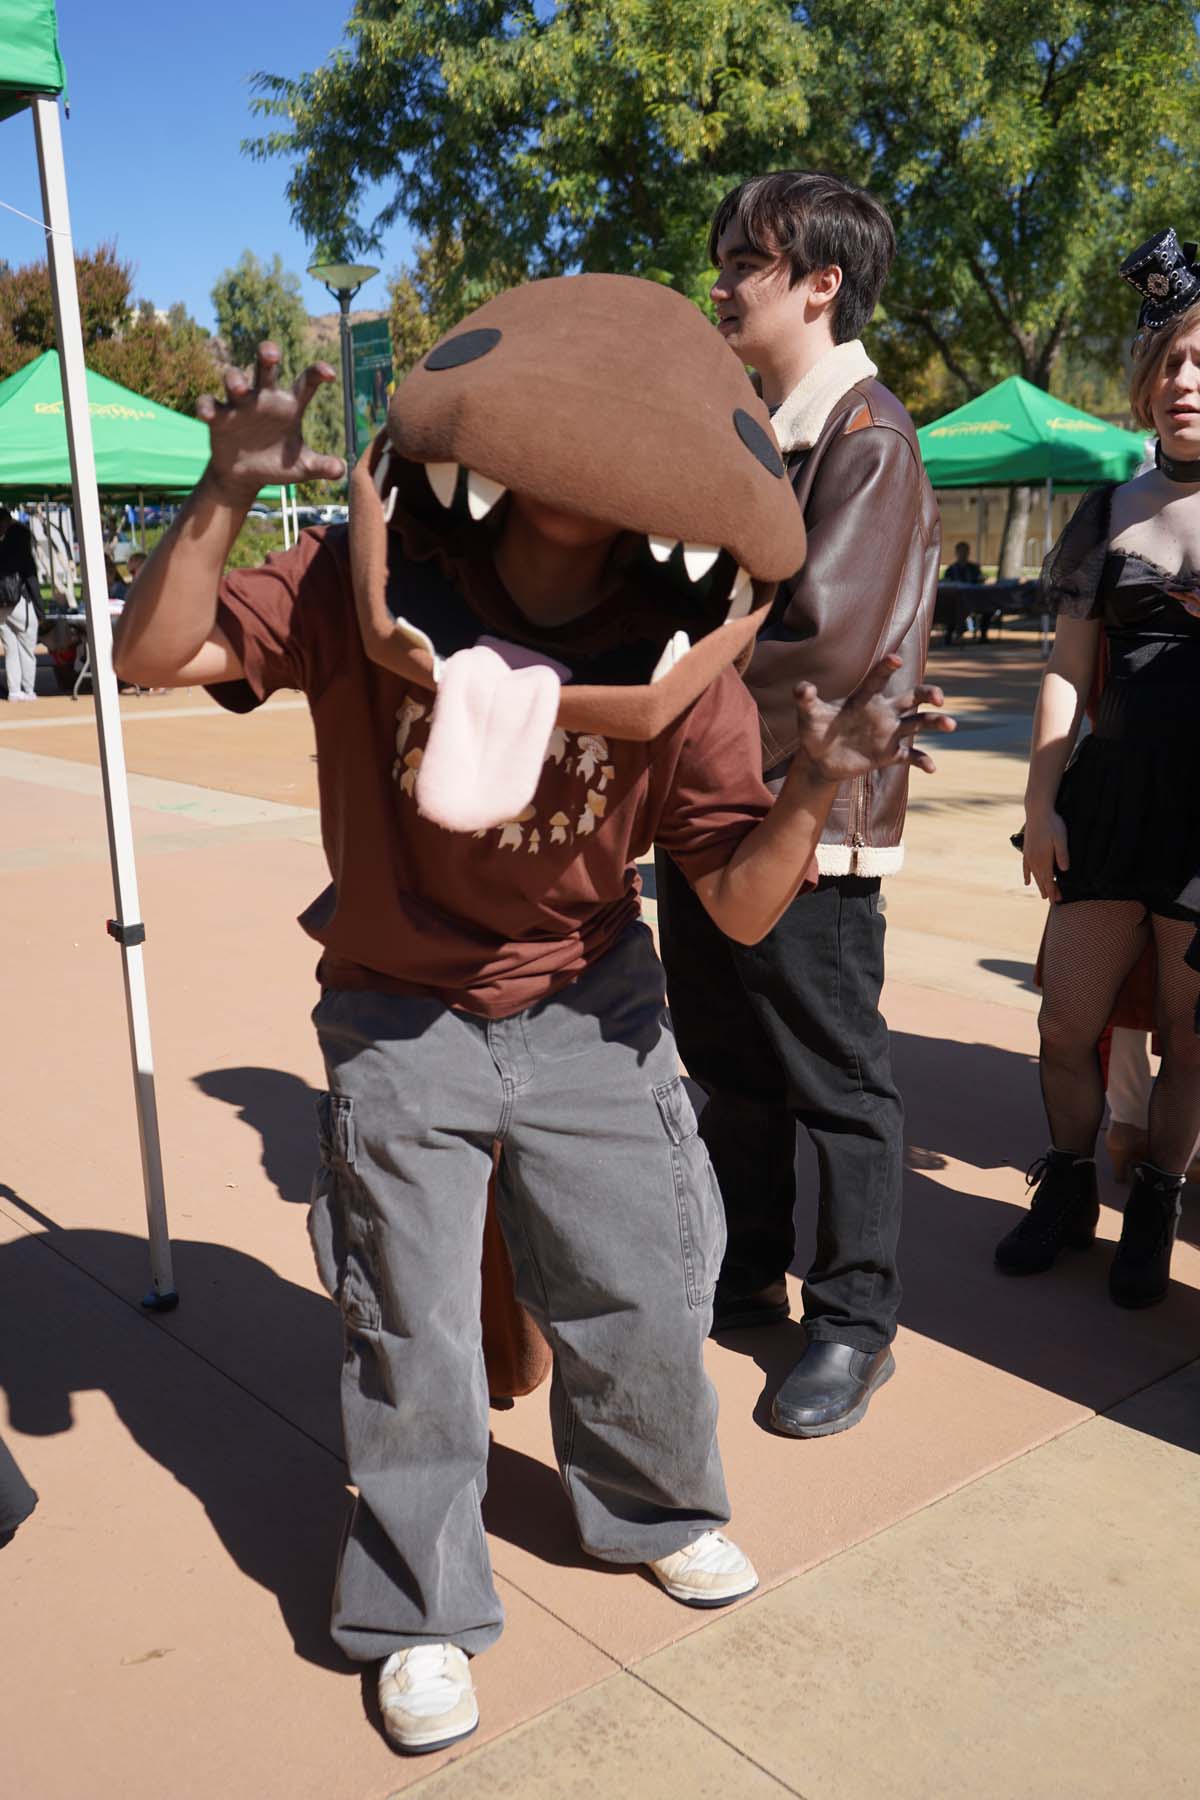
(51, 230)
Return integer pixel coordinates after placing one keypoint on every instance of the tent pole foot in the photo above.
(156, 1302)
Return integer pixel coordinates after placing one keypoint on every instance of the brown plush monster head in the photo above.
(604, 396)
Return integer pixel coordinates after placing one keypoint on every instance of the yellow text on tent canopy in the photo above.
(976, 428)
(99, 409)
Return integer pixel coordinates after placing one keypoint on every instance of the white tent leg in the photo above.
(1048, 545)
(283, 513)
(127, 927)
(50, 546)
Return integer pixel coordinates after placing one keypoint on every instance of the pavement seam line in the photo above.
(706, 1727)
(135, 716)
(1189, 1362)
(479, 1751)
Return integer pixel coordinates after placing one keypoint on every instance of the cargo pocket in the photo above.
(697, 1197)
(339, 1222)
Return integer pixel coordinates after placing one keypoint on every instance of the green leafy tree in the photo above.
(27, 305)
(427, 297)
(256, 300)
(170, 359)
(1022, 150)
(597, 133)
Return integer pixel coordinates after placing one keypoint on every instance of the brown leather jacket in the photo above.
(867, 588)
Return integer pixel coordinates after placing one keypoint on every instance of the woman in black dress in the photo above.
(1112, 836)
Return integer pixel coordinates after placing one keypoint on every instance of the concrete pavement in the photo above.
(987, 1589)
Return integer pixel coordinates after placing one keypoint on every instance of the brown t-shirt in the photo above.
(490, 922)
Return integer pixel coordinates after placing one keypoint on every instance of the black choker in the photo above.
(1174, 469)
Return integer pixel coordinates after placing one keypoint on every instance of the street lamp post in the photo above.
(343, 281)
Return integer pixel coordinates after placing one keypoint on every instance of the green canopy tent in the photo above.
(1016, 435)
(31, 75)
(139, 445)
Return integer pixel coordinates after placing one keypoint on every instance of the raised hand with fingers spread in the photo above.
(257, 430)
(870, 730)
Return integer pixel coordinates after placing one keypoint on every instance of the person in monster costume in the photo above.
(519, 657)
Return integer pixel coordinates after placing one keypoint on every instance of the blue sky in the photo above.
(160, 102)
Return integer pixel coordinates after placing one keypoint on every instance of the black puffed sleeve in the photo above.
(1071, 573)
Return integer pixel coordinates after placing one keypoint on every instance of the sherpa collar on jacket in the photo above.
(802, 417)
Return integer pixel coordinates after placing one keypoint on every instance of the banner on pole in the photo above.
(371, 347)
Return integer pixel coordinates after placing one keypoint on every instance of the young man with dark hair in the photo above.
(789, 1029)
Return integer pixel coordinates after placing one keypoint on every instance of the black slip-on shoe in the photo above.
(830, 1389)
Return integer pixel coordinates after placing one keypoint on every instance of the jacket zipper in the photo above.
(858, 812)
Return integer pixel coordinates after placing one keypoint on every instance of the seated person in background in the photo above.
(962, 568)
(117, 589)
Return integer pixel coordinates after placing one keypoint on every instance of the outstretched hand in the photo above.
(869, 730)
(256, 431)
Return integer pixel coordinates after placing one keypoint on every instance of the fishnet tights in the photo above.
(1091, 946)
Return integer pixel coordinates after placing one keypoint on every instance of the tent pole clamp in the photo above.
(126, 935)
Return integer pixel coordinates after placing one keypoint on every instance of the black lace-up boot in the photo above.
(1141, 1268)
(1062, 1213)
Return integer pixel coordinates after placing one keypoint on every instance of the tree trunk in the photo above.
(1016, 530)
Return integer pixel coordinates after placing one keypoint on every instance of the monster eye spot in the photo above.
(467, 347)
(758, 443)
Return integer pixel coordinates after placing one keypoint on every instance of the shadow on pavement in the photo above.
(273, 1488)
(1020, 972)
(282, 1109)
(275, 1498)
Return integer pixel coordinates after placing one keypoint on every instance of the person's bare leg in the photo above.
(1091, 945)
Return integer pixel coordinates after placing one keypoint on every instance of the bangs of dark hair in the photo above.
(815, 221)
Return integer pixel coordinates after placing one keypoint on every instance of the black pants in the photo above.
(783, 1031)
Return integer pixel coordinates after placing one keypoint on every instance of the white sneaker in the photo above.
(427, 1697)
(712, 1571)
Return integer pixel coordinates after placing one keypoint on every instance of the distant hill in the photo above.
(324, 326)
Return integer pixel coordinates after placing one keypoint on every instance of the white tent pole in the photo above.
(283, 513)
(127, 927)
(1048, 544)
(50, 545)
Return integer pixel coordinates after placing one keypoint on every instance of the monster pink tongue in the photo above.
(495, 710)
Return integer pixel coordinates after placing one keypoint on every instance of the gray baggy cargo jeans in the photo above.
(616, 1232)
